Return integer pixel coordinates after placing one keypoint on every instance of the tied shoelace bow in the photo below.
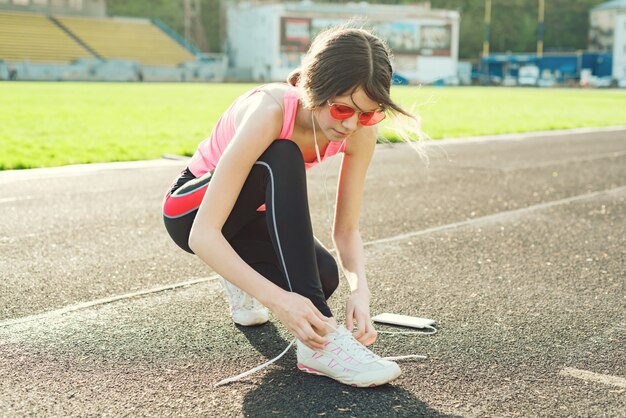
(363, 353)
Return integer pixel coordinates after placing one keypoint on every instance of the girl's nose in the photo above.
(352, 122)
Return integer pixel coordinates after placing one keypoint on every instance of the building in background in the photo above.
(607, 34)
(602, 25)
(265, 42)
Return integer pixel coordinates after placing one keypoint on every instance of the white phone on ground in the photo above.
(403, 320)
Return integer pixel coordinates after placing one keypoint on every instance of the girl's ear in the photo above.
(315, 109)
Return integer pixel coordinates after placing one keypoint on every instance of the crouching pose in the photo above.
(241, 204)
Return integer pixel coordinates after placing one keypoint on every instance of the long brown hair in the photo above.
(340, 60)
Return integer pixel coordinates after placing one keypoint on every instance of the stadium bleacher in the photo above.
(128, 38)
(35, 46)
(35, 38)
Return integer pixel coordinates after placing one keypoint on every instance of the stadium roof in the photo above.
(418, 9)
(614, 4)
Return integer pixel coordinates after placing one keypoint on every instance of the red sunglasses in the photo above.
(342, 112)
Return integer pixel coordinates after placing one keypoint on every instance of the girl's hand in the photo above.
(302, 319)
(358, 309)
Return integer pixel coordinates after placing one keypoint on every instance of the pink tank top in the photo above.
(210, 150)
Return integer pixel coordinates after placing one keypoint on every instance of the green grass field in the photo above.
(52, 124)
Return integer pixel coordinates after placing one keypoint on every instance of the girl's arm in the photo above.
(346, 235)
(258, 124)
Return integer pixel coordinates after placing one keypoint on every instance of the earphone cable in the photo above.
(319, 161)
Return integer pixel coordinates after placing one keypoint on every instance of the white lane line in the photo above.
(9, 176)
(520, 136)
(16, 199)
(605, 156)
(476, 221)
(104, 301)
(496, 216)
(594, 377)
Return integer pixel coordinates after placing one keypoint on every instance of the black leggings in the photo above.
(278, 243)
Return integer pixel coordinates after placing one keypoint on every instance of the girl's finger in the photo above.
(312, 337)
(362, 323)
(319, 325)
(304, 339)
(314, 318)
(317, 312)
(370, 335)
(350, 318)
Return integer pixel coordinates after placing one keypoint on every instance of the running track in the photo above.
(514, 244)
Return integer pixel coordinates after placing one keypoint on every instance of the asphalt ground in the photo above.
(516, 246)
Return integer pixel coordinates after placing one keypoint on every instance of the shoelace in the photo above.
(356, 349)
(264, 365)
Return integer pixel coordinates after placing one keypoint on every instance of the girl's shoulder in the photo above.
(278, 91)
(265, 101)
(272, 92)
(279, 88)
(270, 98)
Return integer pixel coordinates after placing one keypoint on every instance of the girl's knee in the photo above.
(284, 146)
(283, 153)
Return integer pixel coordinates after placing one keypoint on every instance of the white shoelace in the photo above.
(361, 349)
(356, 349)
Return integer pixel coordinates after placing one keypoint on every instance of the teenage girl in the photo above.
(241, 204)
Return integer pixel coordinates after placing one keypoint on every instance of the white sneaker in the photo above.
(244, 309)
(347, 361)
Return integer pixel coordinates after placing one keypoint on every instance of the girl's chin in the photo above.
(337, 136)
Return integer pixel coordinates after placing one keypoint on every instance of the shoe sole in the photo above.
(311, 370)
(259, 318)
(251, 324)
